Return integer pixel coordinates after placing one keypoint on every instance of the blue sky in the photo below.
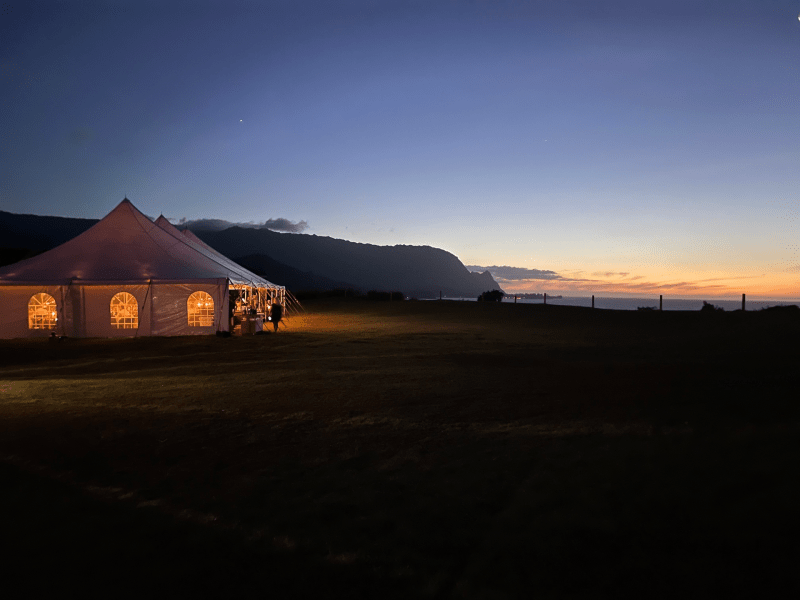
(627, 146)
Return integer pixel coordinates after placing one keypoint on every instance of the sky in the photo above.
(622, 147)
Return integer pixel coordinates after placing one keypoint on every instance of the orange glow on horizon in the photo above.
(719, 286)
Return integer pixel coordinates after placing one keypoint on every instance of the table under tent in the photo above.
(127, 276)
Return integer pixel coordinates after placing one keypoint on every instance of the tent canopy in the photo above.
(237, 273)
(126, 246)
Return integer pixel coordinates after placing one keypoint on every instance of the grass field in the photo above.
(409, 449)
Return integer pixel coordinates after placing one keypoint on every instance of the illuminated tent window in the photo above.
(42, 312)
(200, 307)
(124, 311)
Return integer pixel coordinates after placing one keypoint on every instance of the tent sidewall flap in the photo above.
(14, 310)
(84, 310)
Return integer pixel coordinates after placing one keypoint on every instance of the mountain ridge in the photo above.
(421, 271)
(304, 261)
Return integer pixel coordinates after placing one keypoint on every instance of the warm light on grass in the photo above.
(420, 447)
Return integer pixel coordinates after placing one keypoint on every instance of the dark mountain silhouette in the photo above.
(293, 279)
(298, 261)
(37, 234)
(419, 271)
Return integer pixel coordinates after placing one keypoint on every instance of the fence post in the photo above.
(440, 294)
(515, 298)
(660, 302)
(742, 301)
(592, 300)
(545, 297)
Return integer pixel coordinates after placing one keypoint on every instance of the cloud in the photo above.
(515, 273)
(522, 280)
(220, 224)
(285, 225)
(637, 286)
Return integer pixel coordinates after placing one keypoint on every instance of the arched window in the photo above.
(200, 308)
(124, 311)
(42, 312)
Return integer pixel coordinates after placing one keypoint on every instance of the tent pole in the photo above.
(141, 310)
(62, 321)
(220, 315)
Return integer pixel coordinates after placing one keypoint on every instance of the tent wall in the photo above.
(96, 311)
(14, 310)
(170, 316)
(84, 310)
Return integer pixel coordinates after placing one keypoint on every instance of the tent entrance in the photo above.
(250, 306)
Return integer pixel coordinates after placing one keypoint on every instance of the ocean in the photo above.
(652, 302)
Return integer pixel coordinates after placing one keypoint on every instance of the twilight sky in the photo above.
(606, 147)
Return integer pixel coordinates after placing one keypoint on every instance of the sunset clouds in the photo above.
(580, 283)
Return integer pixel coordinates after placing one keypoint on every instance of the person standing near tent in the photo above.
(276, 314)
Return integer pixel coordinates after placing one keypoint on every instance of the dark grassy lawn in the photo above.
(410, 449)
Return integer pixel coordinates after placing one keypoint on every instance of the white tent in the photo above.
(125, 276)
